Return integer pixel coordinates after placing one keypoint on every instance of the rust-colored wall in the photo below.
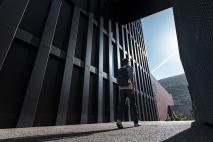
(163, 99)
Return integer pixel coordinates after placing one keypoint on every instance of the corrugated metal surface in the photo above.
(163, 99)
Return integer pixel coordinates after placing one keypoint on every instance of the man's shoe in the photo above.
(137, 125)
(119, 124)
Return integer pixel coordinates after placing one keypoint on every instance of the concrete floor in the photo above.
(182, 131)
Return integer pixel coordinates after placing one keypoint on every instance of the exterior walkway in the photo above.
(182, 131)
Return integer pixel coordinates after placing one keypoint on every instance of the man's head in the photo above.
(125, 61)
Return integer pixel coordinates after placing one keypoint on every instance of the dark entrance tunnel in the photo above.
(58, 63)
(194, 21)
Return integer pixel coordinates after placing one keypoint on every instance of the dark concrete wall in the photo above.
(194, 23)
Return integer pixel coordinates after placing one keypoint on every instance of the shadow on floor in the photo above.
(57, 136)
(197, 133)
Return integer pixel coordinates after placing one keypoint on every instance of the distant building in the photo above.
(163, 99)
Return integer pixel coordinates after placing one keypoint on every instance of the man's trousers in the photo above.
(133, 107)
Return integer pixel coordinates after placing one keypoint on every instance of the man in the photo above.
(127, 89)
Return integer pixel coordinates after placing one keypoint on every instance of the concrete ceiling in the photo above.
(126, 11)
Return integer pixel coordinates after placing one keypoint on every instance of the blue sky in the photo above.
(161, 44)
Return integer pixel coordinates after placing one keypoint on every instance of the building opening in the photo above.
(168, 77)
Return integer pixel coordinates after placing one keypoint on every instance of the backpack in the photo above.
(123, 77)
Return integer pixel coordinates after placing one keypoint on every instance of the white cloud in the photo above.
(163, 62)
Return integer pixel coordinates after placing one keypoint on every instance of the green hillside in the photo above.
(178, 87)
